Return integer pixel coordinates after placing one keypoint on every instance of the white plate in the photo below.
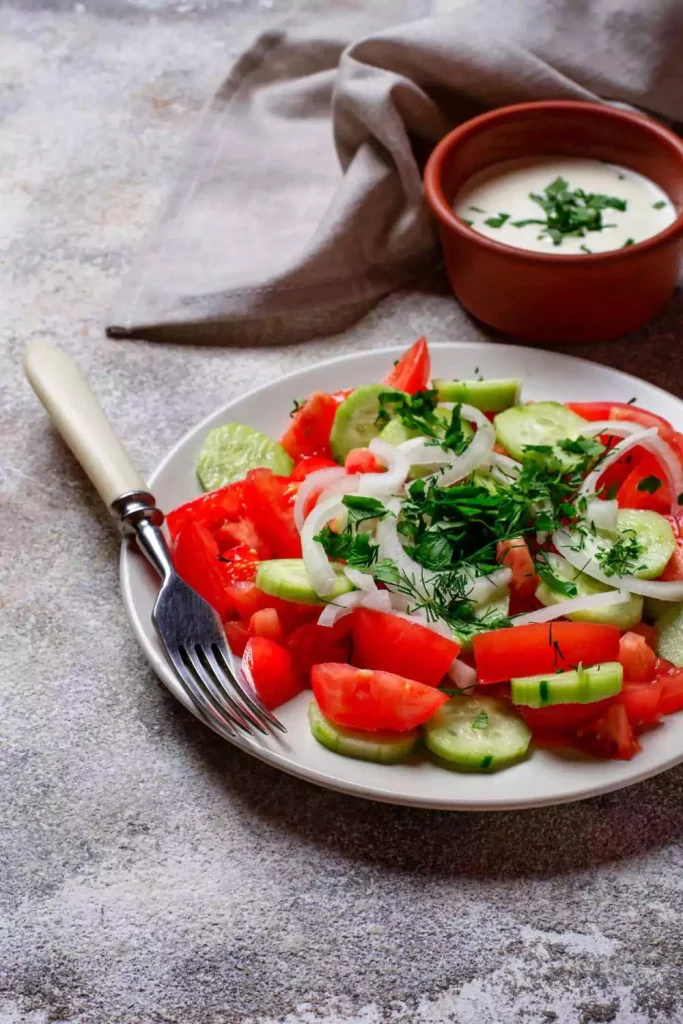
(546, 777)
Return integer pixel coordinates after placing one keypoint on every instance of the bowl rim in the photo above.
(441, 208)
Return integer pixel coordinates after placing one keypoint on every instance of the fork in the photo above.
(190, 630)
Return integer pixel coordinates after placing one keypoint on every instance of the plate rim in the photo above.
(250, 745)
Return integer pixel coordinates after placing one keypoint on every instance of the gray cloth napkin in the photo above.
(301, 200)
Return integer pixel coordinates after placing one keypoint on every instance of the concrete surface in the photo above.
(148, 872)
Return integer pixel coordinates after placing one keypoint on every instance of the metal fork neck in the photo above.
(139, 515)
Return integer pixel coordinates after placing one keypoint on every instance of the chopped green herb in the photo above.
(659, 205)
(481, 720)
(466, 221)
(362, 508)
(570, 212)
(497, 221)
(352, 546)
(564, 587)
(611, 492)
(418, 412)
(621, 559)
(627, 243)
(584, 248)
(649, 484)
(298, 402)
(622, 177)
(477, 209)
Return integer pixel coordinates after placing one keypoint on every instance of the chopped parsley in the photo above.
(570, 212)
(649, 484)
(352, 545)
(655, 206)
(481, 720)
(627, 243)
(418, 412)
(584, 248)
(497, 221)
(477, 209)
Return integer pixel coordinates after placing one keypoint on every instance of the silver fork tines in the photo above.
(192, 635)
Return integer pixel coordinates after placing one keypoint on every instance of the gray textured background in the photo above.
(148, 872)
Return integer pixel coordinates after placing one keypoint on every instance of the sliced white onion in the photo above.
(361, 580)
(383, 485)
(390, 547)
(483, 587)
(615, 428)
(463, 675)
(510, 467)
(603, 514)
(643, 437)
(663, 590)
(651, 440)
(341, 606)
(317, 481)
(574, 604)
(347, 484)
(317, 564)
(378, 601)
(420, 451)
(478, 452)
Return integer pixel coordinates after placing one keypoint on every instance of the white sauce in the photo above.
(505, 187)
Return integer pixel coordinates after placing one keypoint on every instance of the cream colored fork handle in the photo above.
(80, 420)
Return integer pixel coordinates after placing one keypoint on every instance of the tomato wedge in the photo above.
(270, 669)
(413, 370)
(642, 703)
(197, 559)
(594, 411)
(268, 501)
(237, 636)
(311, 644)
(266, 622)
(211, 510)
(311, 464)
(386, 642)
(530, 650)
(671, 695)
(638, 660)
(610, 735)
(362, 699)
(309, 430)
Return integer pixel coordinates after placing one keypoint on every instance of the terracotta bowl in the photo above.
(544, 296)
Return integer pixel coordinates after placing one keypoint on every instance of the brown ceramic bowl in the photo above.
(543, 296)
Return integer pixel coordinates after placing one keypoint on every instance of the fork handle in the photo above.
(80, 420)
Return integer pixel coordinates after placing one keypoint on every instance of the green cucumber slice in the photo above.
(670, 634)
(230, 451)
(354, 424)
(622, 615)
(582, 686)
(487, 395)
(380, 747)
(396, 432)
(287, 578)
(655, 536)
(477, 733)
(538, 423)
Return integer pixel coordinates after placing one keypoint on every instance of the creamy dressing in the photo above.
(501, 194)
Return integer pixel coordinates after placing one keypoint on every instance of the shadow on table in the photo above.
(510, 844)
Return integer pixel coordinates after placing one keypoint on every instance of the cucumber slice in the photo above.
(396, 432)
(354, 423)
(477, 733)
(230, 451)
(538, 423)
(670, 634)
(487, 395)
(380, 747)
(582, 686)
(287, 578)
(622, 615)
(655, 536)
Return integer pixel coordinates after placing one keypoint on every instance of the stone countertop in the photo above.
(149, 872)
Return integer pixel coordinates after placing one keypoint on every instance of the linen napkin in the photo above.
(300, 203)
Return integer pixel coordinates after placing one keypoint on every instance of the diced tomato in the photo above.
(565, 718)
(638, 660)
(671, 695)
(362, 460)
(610, 735)
(383, 641)
(242, 532)
(362, 699)
(309, 431)
(312, 644)
(239, 565)
(266, 622)
(211, 510)
(197, 559)
(516, 556)
(245, 598)
(649, 633)
(269, 667)
(641, 701)
(311, 464)
(413, 370)
(530, 650)
(674, 568)
(595, 411)
(237, 636)
(268, 503)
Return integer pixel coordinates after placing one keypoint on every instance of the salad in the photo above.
(453, 572)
